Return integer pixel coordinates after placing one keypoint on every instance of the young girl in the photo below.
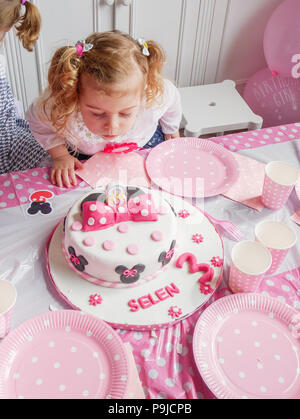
(107, 91)
(18, 148)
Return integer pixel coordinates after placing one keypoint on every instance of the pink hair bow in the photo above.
(98, 215)
(23, 2)
(82, 46)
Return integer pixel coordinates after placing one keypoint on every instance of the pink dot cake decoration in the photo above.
(108, 245)
(132, 249)
(89, 241)
(157, 236)
(76, 226)
(123, 227)
(148, 268)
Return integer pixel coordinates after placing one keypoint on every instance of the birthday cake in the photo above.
(120, 237)
(135, 257)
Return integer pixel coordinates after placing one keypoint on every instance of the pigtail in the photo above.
(156, 61)
(63, 79)
(29, 26)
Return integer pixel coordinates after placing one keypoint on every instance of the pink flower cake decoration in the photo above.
(217, 262)
(206, 289)
(175, 312)
(95, 299)
(197, 238)
(184, 213)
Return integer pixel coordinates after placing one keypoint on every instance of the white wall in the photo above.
(242, 52)
(206, 41)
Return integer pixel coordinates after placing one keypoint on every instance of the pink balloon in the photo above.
(282, 40)
(276, 99)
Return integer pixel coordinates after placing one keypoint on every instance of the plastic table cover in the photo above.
(164, 359)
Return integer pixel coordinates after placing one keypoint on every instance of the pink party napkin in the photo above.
(103, 168)
(248, 188)
(134, 389)
(296, 217)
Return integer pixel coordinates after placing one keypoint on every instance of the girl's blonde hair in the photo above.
(28, 25)
(113, 57)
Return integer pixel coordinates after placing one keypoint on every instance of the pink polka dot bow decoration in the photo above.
(98, 214)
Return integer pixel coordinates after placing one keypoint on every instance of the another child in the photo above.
(18, 148)
(105, 91)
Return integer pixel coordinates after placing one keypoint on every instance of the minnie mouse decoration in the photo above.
(100, 211)
(39, 203)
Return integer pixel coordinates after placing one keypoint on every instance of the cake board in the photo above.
(173, 295)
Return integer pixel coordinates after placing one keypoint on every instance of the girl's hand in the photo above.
(63, 170)
(170, 136)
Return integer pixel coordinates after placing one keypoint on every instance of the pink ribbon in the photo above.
(23, 2)
(169, 254)
(75, 259)
(98, 215)
(130, 272)
(79, 49)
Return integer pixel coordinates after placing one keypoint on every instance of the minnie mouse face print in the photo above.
(39, 203)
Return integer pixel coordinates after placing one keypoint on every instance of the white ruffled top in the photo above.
(168, 114)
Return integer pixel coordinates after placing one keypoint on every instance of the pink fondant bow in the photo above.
(130, 272)
(97, 215)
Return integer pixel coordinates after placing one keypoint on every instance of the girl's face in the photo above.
(110, 116)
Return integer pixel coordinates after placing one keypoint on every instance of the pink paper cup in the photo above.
(250, 261)
(8, 297)
(280, 180)
(279, 238)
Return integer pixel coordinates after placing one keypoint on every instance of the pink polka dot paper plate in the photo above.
(63, 354)
(246, 346)
(192, 167)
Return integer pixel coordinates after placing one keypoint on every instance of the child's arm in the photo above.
(170, 136)
(171, 119)
(63, 167)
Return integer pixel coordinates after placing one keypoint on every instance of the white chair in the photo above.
(216, 109)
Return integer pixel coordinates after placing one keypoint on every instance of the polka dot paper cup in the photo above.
(8, 297)
(250, 261)
(280, 180)
(279, 238)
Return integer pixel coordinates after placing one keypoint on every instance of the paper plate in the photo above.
(173, 295)
(192, 167)
(245, 347)
(63, 354)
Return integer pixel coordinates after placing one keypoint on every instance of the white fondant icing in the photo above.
(189, 299)
(102, 263)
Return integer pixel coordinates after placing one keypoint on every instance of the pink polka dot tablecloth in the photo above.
(16, 188)
(165, 358)
(259, 138)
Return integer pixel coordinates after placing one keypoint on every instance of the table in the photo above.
(164, 359)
